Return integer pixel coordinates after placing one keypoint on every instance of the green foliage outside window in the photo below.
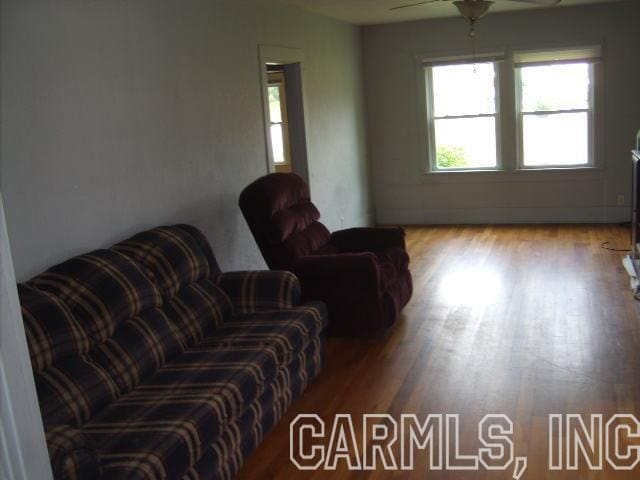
(451, 157)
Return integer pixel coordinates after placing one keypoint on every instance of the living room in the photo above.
(120, 117)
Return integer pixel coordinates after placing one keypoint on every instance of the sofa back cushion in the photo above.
(138, 348)
(71, 309)
(99, 324)
(52, 331)
(197, 310)
(180, 262)
(170, 256)
(73, 390)
(100, 289)
(282, 218)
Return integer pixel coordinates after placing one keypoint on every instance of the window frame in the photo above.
(520, 114)
(277, 79)
(431, 118)
(507, 58)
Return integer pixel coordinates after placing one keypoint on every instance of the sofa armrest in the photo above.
(71, 453)
(260, 290)
(368, 239)
(354, 271)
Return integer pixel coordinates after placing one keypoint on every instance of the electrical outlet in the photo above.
(620, 200)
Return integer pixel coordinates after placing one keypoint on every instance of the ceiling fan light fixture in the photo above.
(472, 10)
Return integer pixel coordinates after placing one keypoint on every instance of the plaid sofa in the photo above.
(150, 363)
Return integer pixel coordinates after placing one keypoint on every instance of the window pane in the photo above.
(556, 139)
(466, 142)
(274, 104)
(464, 89)
(555, 87)
(277, 143)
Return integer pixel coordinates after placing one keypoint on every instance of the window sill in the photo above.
(517, 170)
(534, 175)
(478, 170)
(581, 168)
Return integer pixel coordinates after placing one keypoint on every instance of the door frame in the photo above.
(286, 56)
(23, 449)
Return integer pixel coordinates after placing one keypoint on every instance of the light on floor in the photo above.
(472, 287)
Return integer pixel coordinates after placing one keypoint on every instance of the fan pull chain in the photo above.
(472, 34)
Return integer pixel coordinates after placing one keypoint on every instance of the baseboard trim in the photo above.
(598, 214)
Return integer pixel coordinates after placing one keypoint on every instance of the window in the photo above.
(278, 122)
(555, 109)
(463, 116)
(551, 119)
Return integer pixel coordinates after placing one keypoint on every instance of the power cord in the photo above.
(605, 246)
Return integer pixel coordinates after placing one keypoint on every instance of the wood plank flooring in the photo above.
(521, 320)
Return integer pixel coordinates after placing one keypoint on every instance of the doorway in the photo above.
(284, 113)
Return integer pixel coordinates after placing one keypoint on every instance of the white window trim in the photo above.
(508, 153)
(591, 163)
(431, 118)
(277, 79)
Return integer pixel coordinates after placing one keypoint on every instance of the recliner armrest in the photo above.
(72, 456)
(372, 239)
(251, 291)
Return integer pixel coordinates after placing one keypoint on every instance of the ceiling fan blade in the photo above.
(413, 4)
(549, 3)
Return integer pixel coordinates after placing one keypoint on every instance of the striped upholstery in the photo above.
(73, 390)
(223, 458)
(149, 363)
(169, 256)
(138, 348)
(262, 290)
(100, 289)
(179, 410)
(197, 310)
(72, 454)
(52, 331)
(285, 332)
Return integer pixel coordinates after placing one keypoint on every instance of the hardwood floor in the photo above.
(521, 320)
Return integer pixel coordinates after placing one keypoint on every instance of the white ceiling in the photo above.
(370, 12)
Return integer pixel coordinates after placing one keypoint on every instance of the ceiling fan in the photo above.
(472, 10)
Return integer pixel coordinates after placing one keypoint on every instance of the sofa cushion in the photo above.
(203, 243)
(73, 390)
(170, 256)
(223, 459)
(197, 310)
(101, 289)
(72, 454)
(260, 290)
(52, 331)
(161, 428)
(138, 348)
(285, 332)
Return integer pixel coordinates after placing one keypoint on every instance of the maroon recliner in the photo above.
(362, 274)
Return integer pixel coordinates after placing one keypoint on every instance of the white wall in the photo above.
(121, 115)
(403, 194)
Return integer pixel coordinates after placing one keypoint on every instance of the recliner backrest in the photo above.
(282, 218)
